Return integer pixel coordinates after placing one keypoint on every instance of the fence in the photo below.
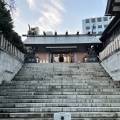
(110, 48)
(9, 47)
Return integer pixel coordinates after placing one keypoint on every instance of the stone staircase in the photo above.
(40, 90)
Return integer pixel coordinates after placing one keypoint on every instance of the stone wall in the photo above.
(11, 60)
(112, 66)
(9, 66)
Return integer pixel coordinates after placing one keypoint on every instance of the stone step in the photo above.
(67, 68)
(74, 82)
(46, 64)
(77, 68)
(62, 89)
(83, 115)
(23, 105)
(52, 89)
(61, 96)
(60, 109)
(53, 119)
(69, 79)
(79, 100)
(47, 83)
(56, 85)
(63, 74)
(62, 69)
(59, 78)
(62, 86)
(60, 93)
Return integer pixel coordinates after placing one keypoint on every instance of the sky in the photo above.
(55, 15)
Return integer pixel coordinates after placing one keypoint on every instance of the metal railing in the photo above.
(111, 48)
(9, 47)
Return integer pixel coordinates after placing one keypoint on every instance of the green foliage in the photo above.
(18, 43)
(6, 26)
(6, 23)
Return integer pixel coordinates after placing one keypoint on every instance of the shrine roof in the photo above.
(62, 39)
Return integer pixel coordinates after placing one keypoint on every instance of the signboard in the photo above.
(62, 116)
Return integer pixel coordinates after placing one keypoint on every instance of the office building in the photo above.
(99, 23)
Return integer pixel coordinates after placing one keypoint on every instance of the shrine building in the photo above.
(49, 47)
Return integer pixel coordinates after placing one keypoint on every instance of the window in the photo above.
(105, 26)
(105, 22)
(99, 20)
(87, 24)
(99, 26)
(100, 30)
(87, 21)
(105, 18)
(93, 20)
(94, 30)
(99, 23)
(87, 28)
(94, 27)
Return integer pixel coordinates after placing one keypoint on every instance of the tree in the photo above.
(18, 42)
(6, 24)
(10, 5)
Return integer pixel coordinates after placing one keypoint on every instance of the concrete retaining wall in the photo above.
(112, 66)
(9, 65)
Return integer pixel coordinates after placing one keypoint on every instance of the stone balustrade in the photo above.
(110, 48)
(9, 47)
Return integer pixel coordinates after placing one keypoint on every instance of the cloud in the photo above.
(50, 12)
(17, 12)
(31, 3)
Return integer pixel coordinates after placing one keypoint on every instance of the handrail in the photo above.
(6, 71)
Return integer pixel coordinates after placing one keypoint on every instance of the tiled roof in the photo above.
(62, 39)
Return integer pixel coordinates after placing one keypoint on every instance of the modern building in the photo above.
(99, 23)
(49, 48)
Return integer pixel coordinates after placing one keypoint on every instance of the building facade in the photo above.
(100, 23)
(49, 48)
